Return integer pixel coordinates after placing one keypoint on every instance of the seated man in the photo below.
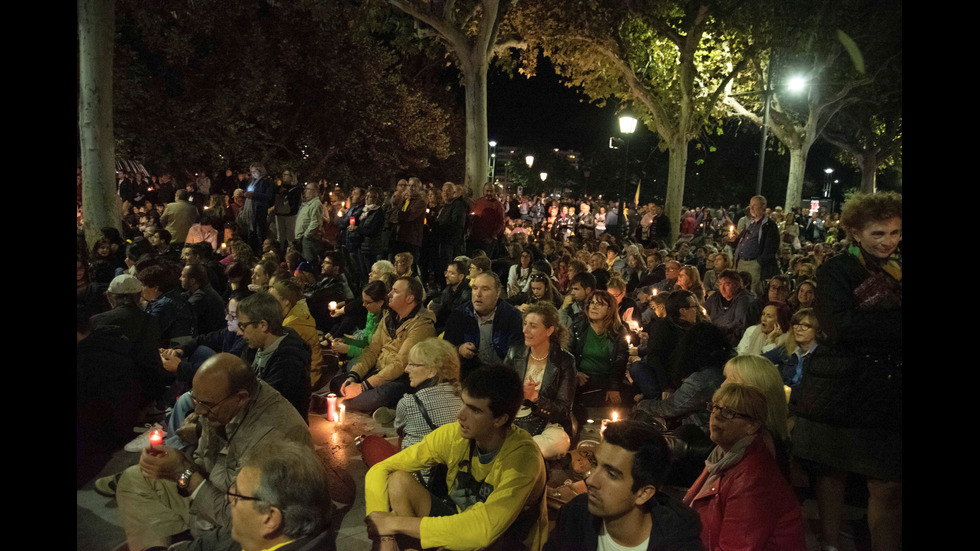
(484, 329)
(455, 294)
(624, 508)
(573, 306)
(332, 287)
(732, 308)
(378, 379)
(207, 304)
(496, 477)
(277, 354)
(281, 498)
(169, 494)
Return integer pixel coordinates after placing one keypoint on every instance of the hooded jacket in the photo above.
(287, 370)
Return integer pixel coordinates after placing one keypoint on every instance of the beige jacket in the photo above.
(388, 355)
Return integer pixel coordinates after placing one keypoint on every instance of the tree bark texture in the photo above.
(96, 35)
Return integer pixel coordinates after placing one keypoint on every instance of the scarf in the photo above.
(367, 210)
(883, 286)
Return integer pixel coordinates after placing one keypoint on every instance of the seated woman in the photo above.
(519, 275)
(759, 372)
(542, 289)
(433, 371)
(383, 270)
(689, 279)
(374, 301)
(548, 372)
(742, 498)
(719, 264)
(624, 304)
(799, 344)
(599, 345)
(261, 274)
(805, 296)
(769, 333)
(296, 316)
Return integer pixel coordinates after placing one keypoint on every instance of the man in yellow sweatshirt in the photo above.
(496, 477)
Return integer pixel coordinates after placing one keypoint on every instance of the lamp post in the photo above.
(627, 124)
(493, 159)
(544, 176)
(826, 185)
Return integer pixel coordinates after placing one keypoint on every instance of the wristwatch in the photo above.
(184, 480)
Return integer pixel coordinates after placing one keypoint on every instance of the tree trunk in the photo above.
(676, 174)
(477, 162)
(794, 186)
(101, 206)
(868, 161)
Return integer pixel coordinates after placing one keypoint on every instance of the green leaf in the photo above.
(852, 50)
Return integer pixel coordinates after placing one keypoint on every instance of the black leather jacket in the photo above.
(558, 383)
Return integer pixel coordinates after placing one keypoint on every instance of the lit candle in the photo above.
(156, 439)
(332, 305)
(627, 340)
(654, 292)
(331, 407)
(787, 389)
(352, 221)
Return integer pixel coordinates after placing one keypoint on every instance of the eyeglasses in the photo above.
(803, 325)
(233, 497)
(208, 407)
(726, 413)
(231, 315)
(244, 324)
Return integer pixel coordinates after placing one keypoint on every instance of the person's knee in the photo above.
(888, 493)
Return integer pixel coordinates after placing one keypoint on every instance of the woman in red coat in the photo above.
(742, 497)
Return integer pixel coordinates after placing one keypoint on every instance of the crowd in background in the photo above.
(630, 317)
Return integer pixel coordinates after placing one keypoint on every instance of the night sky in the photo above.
(541, 112)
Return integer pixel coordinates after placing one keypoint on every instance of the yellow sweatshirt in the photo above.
(509, 490)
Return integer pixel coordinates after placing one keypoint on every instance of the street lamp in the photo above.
(826, 185)
(795, 85)
(627, 124)
(529, 160)
(544, 176)
(493, 159)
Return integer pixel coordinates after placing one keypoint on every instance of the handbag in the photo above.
(438, 473)
(532, 423)
(850, 390)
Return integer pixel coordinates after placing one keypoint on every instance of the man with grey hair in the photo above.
(281, 500)
(172, 496)
(757, 246)
(484, 329)
(277, 354)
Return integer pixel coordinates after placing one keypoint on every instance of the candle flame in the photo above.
(615, 416)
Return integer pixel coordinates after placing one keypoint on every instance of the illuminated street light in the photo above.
(796, 84)
(627, 124)
(529, 160)
(544, 176)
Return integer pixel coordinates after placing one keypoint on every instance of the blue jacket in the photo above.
(508, 327)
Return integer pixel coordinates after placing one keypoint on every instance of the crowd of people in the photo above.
(756, 355)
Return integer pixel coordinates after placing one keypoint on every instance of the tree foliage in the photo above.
(671, 60)
(203, 84)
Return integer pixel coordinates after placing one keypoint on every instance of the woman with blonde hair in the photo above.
(801, 341)
(548, 372)
(433, 371)
(742, 497)
(759, 372)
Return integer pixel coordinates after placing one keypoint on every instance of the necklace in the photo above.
(533, 357)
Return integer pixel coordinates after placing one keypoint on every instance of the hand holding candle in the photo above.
(156, 439)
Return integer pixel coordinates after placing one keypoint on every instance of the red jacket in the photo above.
(751, 506)
(488, 220)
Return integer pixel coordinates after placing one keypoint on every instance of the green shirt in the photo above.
(596, 354)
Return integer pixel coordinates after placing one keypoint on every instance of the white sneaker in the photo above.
(142, 441)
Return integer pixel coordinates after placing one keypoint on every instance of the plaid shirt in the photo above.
(441, 403)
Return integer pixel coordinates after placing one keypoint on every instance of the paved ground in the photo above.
(98, 527)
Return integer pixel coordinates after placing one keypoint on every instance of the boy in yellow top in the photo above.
(496, 477)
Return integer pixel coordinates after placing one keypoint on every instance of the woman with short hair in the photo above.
(742, 498)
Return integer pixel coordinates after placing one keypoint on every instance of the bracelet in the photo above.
(386, 538)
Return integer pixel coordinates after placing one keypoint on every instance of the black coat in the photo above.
(557, 391)
(676, 527)
(288, 370)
